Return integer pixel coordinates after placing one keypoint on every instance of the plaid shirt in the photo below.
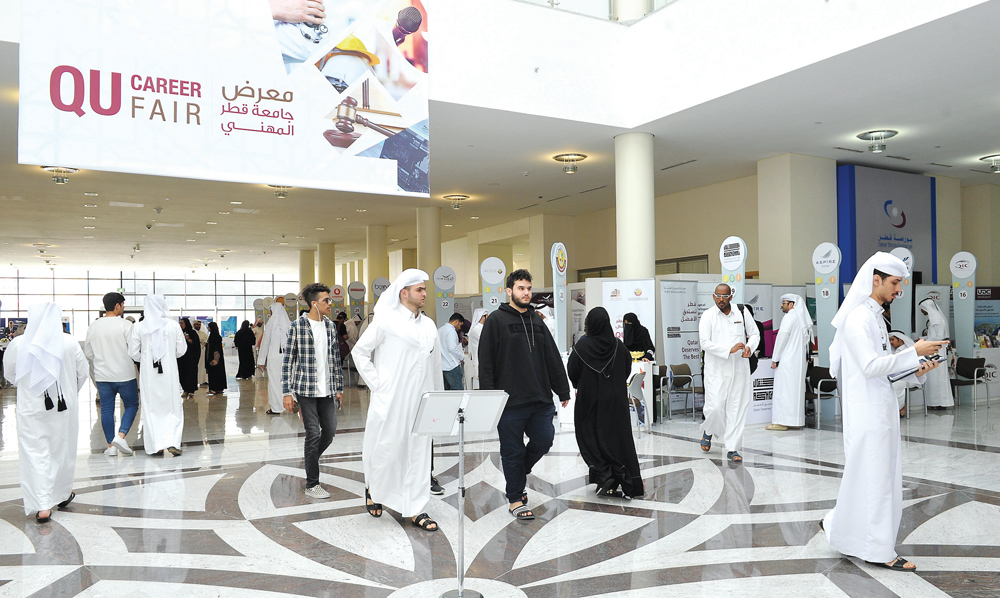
(298, 373)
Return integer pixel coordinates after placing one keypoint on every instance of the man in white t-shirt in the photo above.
(106, 348)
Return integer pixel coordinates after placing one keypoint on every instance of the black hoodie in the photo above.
(517, 354)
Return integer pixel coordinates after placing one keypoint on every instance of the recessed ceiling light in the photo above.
(320, 228)
(223, 213)
(90, 205)
(361, 210)
(90, 217)
(90, 194)
(88, 227)
(449, 225)
(394, 240)
(299, 237)
(211, 223)
(125, 204)
(236, 203)
(474, 217)
(341, 219)
(199, 232)
(88, 236)
(190, 240)
(283, 243)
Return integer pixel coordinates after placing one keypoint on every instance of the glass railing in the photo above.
(600, 9)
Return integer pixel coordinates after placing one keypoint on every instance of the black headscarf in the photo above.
(635, 336)
(598, 347)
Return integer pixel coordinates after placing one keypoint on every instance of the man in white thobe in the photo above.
(399, 357)
(728, 337)
(272, 348)
(899, 341)
(478, 319)
(156, 343)
(49, 369)
(203, 337)
(937, 389)
(865, 520)
(788, 406)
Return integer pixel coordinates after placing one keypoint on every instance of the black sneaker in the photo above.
(436, 488)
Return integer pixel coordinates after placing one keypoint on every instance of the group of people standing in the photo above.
(202, 363)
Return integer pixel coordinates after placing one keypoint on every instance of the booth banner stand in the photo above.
(559, 293)
(258, 310)
(356, 296)
(826, 263)
(452, 413)
(379, 285)
(292, 306)
(492, 274)
(337, 294)
(963, 295)
(629, 296)
(679, 318)
(733, 255)
(444, 294)
(901, 312)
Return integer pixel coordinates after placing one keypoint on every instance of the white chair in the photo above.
(637, 403)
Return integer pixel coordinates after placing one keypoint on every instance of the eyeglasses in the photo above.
(722, 296)
(328, 301)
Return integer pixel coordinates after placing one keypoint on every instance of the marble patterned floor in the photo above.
(229, 518)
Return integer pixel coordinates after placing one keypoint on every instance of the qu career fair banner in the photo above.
(229, 90)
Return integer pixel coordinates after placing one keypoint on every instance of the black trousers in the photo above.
(319, 416)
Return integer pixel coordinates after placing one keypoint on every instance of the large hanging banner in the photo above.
(826, 264)
(229, 90)
(733, 255)
(559, 293)
(963, 293)
(356, 298)
(444, 287)
(901, 312)
(630, 296)
(492, 273)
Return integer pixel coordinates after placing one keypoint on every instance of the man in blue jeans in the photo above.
(517, 354)
(106, 348)
(311, 376)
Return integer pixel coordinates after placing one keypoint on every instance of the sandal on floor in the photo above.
(66, 502)
(706, 442)
(373, 507)
(269, 412)
(821, 525)
(43, 519)
(610, 488)
(899, 564)
(522, 513)
(734, 457)
(425, 522)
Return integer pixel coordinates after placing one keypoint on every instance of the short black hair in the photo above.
(340, 315)
(457, 316)
(311, 290)
(516, 275)
(881, 274)
(112, 299)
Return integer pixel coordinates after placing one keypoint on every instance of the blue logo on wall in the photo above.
(894, 213)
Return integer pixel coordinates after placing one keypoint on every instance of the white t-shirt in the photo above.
(322, 343)
(107, 349)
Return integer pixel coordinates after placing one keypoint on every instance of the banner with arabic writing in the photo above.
(231, 90)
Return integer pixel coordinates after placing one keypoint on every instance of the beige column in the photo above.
(980, 221)
(634, 207)
(326, 272)
(307, 267)
(345, 275)
(948, 197)
(429, 248)
(377, 244)
(796, 211)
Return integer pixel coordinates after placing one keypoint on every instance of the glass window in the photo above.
(200, 274)
(225, 287)
(201, 302)
(104, 274)
(227, 275)
(8, 303)
(283, 288)
(668, 268)
(229, 302)
(143, 286)
(259, 289)
(72, 286)
(68, 302)
(28, 300)
(697, 266)
(129, 285)
(36, 286)
(173, 287)
(8, 286)
(175, 301)
(200, 287)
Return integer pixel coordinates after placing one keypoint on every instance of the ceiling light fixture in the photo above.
(199, 232)
(236, 203)
(394, 240)
(61, 173)
(90, 205)
(456, 200)
(362, 210)
(223, 213)
(90, 194)
(320, 228)
(474, 217)
(569, 161)
(994, 161)
(280, 191)
(876, 139)
(89, 227)
(449, 225)
(211, 223)
(90, 217)
(88, 236)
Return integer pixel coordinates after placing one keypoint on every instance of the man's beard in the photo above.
(518, 303)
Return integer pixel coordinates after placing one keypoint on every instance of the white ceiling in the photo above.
(936, 84)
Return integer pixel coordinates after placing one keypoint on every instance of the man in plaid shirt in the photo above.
(311, 376)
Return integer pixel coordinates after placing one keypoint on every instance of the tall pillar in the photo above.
(345, 275)
(377, 244)
(797, 210)
(634, 206)
(307, 267)
(429, 249)
(326, 272)
(980, 221)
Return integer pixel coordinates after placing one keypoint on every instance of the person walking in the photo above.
(788, 407)
(215, 361)
(272, 350)
(244, 341)
(187, 364)
(106, 348)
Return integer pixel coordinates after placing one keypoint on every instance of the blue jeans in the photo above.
(129, 391)
(533, 419)
(453, 379)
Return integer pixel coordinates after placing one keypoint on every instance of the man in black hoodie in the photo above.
(518, 355)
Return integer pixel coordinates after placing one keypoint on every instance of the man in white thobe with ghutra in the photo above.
(728, 337)
(49, 369)
(271, 356)
(399, 357)
(865, 520)
(475, 332)
(937, 389)
(156, 343)
(788, 405)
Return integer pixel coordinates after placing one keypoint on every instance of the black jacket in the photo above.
(517, 354)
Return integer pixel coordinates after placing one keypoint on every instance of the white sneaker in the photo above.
(111, 451)
(122, 445)
(317, 491)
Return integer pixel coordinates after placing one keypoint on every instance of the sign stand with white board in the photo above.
(443, 413)
(492, 273)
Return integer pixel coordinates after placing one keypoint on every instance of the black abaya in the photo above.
(244, 340)
(636, 337)
(187, 364)
(217, 372)
(599, 368)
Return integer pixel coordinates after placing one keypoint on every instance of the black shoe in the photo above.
(436, 488)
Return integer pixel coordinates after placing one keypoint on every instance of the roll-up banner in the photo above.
(901, 311)
(444, 294)
(229, 90)
(679, 317)
(758, 296)
(559, 293)
(379, 285)
(733, 255)
(356, 297)
(258, 309)
(492, 274)
(826, 264)
(963, 292)
(337, 294)
(630, 296)
(292, 306)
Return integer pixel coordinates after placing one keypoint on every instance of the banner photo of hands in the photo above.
(231, 90)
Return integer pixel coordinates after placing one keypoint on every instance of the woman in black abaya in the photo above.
(636, 337)
(187, 364)
(215, 361)
(244, 341)
(599, 368)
